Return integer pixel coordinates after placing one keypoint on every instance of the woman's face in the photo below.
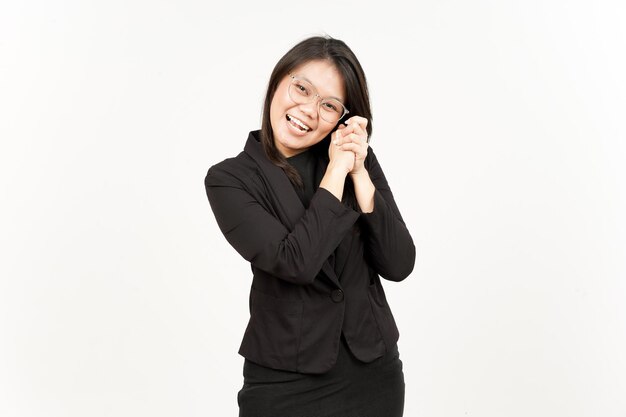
(289, 139)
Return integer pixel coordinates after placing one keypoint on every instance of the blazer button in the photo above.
(336, 296)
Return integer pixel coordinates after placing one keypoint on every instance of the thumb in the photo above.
(337, 137)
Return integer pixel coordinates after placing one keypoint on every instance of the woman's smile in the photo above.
(298, 124)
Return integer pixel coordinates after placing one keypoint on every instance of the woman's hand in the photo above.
(339, 158)
(347, 151)
(353, 138)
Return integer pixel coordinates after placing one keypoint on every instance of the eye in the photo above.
(301, 89)
(328, 105)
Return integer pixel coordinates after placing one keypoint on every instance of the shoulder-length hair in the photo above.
(356, 95)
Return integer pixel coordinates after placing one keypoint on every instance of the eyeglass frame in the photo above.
(319, 98)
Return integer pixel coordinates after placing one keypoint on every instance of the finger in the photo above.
(354, 137)
(344, 136)
(362, 121)
(337, 138)
(357, 119)
(356, 128)
(346, 129)
(351, 138)
(353, 147)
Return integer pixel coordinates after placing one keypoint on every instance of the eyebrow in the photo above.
(311, 82)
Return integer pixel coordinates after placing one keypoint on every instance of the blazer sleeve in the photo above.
(389, 247)
(295, 256)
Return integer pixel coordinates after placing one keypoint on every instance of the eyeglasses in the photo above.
(302, 91)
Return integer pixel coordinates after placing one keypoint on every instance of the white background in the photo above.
(499, 124)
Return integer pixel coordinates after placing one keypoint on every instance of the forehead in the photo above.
(324, 76)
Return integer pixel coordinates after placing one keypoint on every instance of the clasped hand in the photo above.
(348, 145)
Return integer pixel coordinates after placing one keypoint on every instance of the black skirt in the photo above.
(350, 389)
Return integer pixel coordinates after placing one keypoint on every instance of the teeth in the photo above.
(299, 123)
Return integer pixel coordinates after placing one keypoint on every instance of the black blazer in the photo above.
(316, 271)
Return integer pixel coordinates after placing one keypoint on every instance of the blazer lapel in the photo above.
(283, 194)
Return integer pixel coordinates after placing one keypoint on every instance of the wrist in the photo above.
(360, 173)
(337, 170)
(364, 189)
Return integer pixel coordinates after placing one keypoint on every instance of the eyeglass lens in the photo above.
(302, 92)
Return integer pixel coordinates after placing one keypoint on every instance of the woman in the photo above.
(307, 204)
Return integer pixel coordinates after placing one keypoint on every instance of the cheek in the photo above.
(275, 113)
(278, 107)
(325, 128)
(281, 99)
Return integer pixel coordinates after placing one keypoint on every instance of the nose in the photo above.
(310, 109)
